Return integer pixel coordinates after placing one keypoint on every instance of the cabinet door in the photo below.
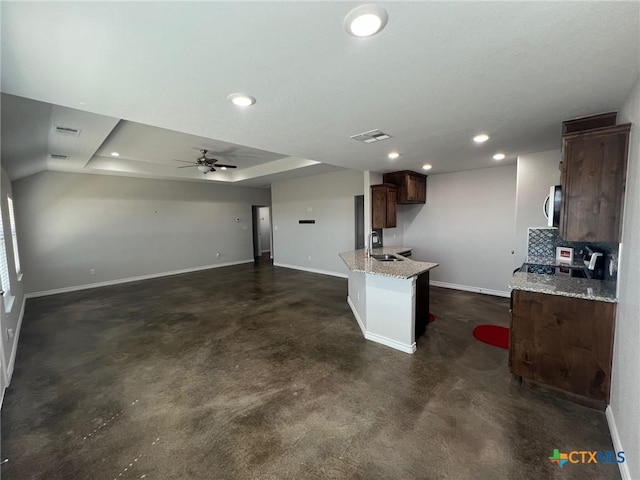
(378, 206)
(392, 194)
(383, 206)
(593, 182)
(416, 188)
(563, 342)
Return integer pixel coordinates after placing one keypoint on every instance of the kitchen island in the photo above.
(389, 297)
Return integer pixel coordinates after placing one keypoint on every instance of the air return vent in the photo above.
(59, 156)
(67, 131)
(371, 136)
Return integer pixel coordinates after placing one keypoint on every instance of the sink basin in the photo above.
(386, 258)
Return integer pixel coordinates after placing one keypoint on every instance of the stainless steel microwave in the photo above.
(552, 206)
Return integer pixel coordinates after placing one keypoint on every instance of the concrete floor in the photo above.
(256, 372)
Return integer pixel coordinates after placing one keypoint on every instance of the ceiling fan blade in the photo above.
(225, 166)
(183, 161)
(188, 166)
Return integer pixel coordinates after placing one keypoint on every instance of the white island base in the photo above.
(385, 309)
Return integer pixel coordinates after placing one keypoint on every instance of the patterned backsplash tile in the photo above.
(542, 243)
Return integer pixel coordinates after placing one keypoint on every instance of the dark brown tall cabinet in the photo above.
(383, 206)
(594, 164)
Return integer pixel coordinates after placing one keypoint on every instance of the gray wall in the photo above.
(329, 200)
(625, 388)
(467, 227)
(127, 227)
(536, 173)
(11, 315)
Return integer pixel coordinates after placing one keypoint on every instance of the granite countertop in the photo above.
(565, 286)
(407, 268)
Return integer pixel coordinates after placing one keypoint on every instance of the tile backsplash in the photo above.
(542, 243)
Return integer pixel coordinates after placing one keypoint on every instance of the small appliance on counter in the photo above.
(595, 262)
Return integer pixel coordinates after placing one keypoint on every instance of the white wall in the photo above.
(536, 173)
(127, 227)
(624, 410)
(467, 227)
(329, 200)
(13, 305)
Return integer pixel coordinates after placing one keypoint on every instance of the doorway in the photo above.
(261, 220)
(359, 221)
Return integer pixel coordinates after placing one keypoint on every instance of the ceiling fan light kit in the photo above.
(205, 164)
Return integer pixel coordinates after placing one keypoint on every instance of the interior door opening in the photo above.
(261, 221)
(359, 221)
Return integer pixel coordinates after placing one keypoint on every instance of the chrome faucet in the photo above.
(370, 242)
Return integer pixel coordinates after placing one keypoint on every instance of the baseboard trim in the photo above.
(391, 343)
(312, 270)
(617, 443)
(358, 319)
(466, 288)
(378, 338)
(150, 276)
(16, 337)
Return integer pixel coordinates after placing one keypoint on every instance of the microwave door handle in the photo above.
(545, 207)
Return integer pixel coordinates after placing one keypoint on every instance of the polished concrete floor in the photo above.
(260, 372)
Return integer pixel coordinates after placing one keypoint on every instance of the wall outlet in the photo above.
(309, 209)
(309, 258)
(218, 255)
(9, 333)
(244, 227)
(92, 271)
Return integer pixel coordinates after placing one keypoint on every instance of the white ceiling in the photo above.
(439, 73)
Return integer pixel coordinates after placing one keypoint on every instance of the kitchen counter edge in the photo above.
(356, 261)
(597, 290)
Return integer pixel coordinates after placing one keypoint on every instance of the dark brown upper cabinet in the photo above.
(383, 206)
(594, 165)
(412, 186)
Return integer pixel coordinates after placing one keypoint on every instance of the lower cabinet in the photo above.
(563, 342)
(422, 304)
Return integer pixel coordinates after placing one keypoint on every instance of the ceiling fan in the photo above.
(205, 164)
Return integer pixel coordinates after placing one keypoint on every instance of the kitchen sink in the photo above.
(386, 258)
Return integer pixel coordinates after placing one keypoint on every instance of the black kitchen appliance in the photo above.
(595, 263)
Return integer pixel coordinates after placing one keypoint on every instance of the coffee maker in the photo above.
(595, 262)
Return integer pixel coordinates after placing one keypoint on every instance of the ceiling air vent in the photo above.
(58, 156)
(371, 136)
(68, 131)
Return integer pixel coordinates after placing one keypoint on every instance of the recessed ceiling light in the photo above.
(365, 20)
(393, 155)
(241, 99)
(428, 166)
(115, 154)
(499, 156)
(483, 137)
